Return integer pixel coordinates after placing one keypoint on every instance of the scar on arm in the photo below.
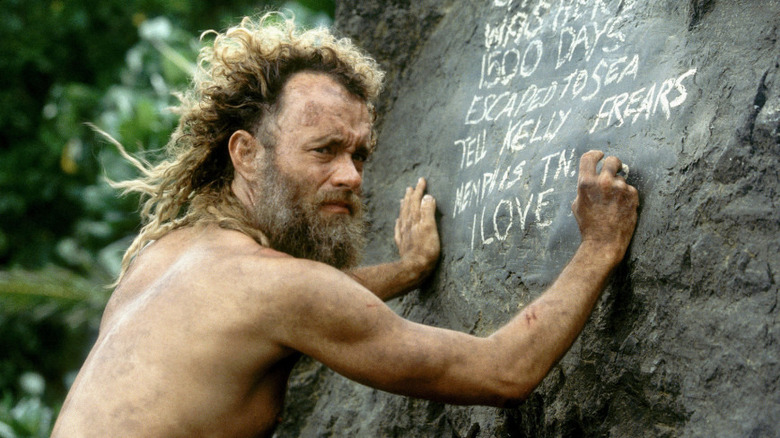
(530, 315)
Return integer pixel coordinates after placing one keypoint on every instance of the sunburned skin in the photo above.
(201, 334)
(182, 353)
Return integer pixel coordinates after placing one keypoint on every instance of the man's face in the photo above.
(310, 190)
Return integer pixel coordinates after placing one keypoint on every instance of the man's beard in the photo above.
(296, 225)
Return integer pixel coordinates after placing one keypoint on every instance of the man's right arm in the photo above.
(326, 315)
(606, 211)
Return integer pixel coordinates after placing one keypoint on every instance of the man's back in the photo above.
(181, 350)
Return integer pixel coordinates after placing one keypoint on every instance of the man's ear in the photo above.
(246, 153)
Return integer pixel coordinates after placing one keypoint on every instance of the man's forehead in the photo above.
(310, 95)
(310, 85)
(312, 111)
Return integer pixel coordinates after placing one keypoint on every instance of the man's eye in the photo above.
(360, 157)
(324, 150)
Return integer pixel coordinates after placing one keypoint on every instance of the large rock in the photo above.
(494, 102)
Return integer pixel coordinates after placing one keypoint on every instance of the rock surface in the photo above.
(494, 102)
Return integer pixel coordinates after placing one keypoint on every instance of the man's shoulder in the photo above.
(261, 269)
(272, 285)
(203, 258)
(222, 267)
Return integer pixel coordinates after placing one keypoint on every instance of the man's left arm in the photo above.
(418, 245)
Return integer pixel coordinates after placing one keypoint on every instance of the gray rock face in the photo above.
(494, 102)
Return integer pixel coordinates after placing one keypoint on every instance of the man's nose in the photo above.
(346, 174)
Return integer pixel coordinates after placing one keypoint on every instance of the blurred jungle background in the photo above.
(63, 230)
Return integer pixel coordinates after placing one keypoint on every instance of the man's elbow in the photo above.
(511, 393)
(512, 379)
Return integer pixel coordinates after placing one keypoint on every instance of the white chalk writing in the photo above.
(548, 67)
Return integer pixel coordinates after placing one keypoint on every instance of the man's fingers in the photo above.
(588, 163)
(428, 207)
(612, 165)
(415, 229)
(418, 192)
(405, 202)
(421, 184)
(410, 204)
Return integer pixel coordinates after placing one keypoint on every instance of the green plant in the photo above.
(62, 228)
(27, 416)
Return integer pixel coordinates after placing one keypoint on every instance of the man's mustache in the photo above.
(353, 201)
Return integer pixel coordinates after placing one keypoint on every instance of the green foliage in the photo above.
(65, 63)
(48, 321)
(29, 416)
(62, 228)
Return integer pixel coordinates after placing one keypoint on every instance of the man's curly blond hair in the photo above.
(237, 85)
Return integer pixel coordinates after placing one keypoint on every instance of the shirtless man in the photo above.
(234, 275)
